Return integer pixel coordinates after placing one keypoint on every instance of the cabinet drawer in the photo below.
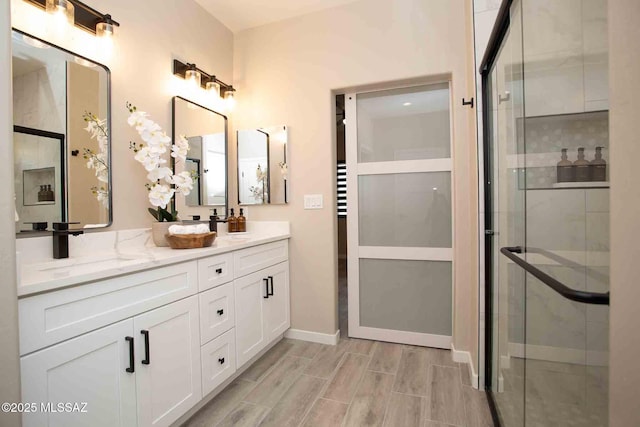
(216, 312)
(249, 260)
(218, 361)
(215, 271)
(49, 318)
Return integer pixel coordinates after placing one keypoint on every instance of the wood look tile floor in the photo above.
(355, 383)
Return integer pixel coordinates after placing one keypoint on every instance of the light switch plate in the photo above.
(313, 201)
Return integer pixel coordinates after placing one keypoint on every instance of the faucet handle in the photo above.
(62, 226)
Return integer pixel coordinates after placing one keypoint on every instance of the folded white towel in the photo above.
(189, 229)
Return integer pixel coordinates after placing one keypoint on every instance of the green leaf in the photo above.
(154, 213)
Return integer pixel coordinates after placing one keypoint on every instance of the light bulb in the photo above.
(213, 88)
(61, 10)
(229, 98)
(193, 76)
(104, 30)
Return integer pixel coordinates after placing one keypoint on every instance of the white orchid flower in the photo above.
(183, 182)
(160, 173)
(136, 118)
(160, 195)
(180, 148)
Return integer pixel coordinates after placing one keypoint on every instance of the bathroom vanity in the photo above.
(143, 334)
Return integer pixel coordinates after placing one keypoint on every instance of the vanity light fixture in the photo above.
(206, 81)
(79, 14)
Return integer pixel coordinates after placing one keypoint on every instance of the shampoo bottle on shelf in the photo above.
(581, 167)
(565, 168)
(242, 222)
(232, 222)
(598, 167)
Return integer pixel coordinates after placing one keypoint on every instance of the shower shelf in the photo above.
(590, 184)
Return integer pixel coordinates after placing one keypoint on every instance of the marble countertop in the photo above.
(97, 256)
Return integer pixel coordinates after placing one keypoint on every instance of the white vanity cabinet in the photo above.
(168, 362)
(92, 368)
(142, 349)
(262, 309)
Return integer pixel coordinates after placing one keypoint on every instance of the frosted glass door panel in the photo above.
(404, 124)
(406, 295)
(405, 210)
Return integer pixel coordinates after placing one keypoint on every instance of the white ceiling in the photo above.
(239, 15)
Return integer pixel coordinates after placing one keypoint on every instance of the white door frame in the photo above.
(355, 252)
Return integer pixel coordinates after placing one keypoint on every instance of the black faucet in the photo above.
(214, 219)
(61, 234)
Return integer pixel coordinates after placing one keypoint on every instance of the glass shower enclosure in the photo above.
(546, 152)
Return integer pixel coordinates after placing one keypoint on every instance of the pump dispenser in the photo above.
(213, 220)
(565, 169)
(598, 167)
(232, 223)
(242, 222)
(581, 167)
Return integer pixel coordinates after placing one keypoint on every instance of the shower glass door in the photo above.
(398, 150)
(548, 217)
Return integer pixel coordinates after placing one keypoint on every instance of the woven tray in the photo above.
(190, 241)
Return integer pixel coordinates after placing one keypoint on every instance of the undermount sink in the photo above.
(93, 261)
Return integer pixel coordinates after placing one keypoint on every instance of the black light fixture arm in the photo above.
(85, 16)
(180, 68)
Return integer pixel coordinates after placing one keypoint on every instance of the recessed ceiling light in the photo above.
(406, 104)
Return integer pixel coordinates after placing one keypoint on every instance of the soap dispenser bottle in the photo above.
(581, 167)
(232, 223)
(41, 196)
(598, 167)
(564, 168)
(213, 220)
(242, 222)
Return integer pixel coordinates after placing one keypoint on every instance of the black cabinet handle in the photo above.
(271, 280)
(219, 270)
(221, 360)
(220, 312)
(132, 361)
(147, 356)
(266, 287)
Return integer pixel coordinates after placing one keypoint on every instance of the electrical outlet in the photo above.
(313, 201)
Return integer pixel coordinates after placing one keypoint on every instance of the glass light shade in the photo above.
(62, 10)
(104, 30)
(229, 97)
(193, 77)
(213, 88)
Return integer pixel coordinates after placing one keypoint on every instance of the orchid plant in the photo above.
(164, 183)
(98, 160)
(258, 191)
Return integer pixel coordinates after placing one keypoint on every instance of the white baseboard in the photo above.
(465, 357)
(299, 334)
(559, 354)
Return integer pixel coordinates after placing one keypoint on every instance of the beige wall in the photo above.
(624, 90)
(289, 72)
(9, 365)
(141, 60)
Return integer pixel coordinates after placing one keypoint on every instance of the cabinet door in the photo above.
(216, 312)
(91, 368)
(276, 307)
(168, 362)
(250, 292)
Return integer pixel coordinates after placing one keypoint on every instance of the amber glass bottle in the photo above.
(581, 167)
(598, 167)
(242, 222)
(232, 223)
(565, 168)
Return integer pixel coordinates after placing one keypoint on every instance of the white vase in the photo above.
(158, 231)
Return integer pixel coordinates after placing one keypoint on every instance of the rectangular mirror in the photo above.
(206, 131)
(61, 161)
(262, 166)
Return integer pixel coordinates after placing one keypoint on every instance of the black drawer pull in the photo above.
(220, 312)
(271, 280)
(132, 361)
(147, 356)
(221, 360)
(266, 287)
(219, 270)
